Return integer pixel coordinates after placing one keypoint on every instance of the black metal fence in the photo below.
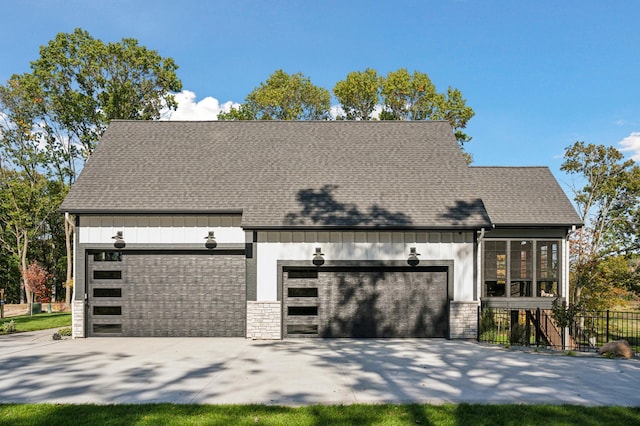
(536, 327)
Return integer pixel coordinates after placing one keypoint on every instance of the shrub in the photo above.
(9, 327)
(65, 331)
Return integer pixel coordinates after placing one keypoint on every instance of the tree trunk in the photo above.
(68, 243)
(24, 288)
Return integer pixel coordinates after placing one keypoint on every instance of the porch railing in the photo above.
(536, 327)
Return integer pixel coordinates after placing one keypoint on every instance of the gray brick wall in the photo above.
(183, 295)
(264, 320)
(374, 303)
(463, 320)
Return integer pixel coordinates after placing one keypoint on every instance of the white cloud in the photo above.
(631, 144)
(190, 110)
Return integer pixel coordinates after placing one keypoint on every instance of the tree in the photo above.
(77, 86)
(414, 97)
(402, 96)
(36, 279)
(608, 204)
(26, 202)
(283, 97)
(358, 94)
(87, 83)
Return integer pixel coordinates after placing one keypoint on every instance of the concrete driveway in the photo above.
(34, 368)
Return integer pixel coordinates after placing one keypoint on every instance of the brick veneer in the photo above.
(77, 312)
(264, 320)
(463, 320)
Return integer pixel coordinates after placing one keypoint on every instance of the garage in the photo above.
(157, 294)
(365, 302)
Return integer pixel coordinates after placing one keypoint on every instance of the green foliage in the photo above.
(518, 334)
(355, 414)
(283, 97)
(564, 314)
(608, 202)
(50, 122)
(87, 83)
(65, 331)
(358, 94)
(9, 327)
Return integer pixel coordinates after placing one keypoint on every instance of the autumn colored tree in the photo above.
(53, 117)
(607, 198)
(36, 280)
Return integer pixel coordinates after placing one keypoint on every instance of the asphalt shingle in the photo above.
(295, 174)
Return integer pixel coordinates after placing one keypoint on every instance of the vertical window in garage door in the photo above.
(105, 295)
(301, 303)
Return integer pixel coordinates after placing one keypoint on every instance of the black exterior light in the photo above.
(119, 241)
(413, 257)
(211, 241)
(318, 260)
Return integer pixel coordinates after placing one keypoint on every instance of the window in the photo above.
(107, 328)
(302, 292)
(302, 310)
(495, 268)
(107, 256)
(521, 268)
(530, 267)
(107, 292)
(302, 329)
(107, 310)
(547, 268)
(107, 275)
(302, 274)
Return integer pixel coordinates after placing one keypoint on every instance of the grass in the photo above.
(40, 322)
(384, 414)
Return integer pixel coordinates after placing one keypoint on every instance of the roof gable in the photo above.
(349, 174)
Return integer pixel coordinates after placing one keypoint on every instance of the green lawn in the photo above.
(315, 415)
(39, 321)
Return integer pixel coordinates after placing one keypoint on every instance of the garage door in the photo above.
(166, 294)
(365, 302)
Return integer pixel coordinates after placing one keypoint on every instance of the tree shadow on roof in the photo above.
(320, 207)
(467, 212)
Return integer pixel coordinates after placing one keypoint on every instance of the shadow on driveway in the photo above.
(304, 371)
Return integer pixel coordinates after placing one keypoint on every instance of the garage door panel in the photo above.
(175, 294)
(376, 303)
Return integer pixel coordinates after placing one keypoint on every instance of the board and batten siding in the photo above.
(160, 229)
(364, 245)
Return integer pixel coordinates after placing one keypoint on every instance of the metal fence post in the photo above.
(478, 327)
(537, 327)
(607, 326)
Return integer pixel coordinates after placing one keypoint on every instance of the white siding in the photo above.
(274, 246)
(160, 229)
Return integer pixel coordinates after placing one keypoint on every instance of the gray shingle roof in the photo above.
(286, 174)
(523, 196)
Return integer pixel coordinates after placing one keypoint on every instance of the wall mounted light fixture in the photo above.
(211, 241)
(318, 260)
(413, 257)
(119, 241)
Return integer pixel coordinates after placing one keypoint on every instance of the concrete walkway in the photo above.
(34, 368)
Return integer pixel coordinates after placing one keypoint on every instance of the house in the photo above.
(270, 230)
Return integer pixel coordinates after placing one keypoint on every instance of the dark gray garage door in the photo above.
(166, 294)
(365, 302)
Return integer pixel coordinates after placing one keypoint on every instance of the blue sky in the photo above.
(539, 74)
